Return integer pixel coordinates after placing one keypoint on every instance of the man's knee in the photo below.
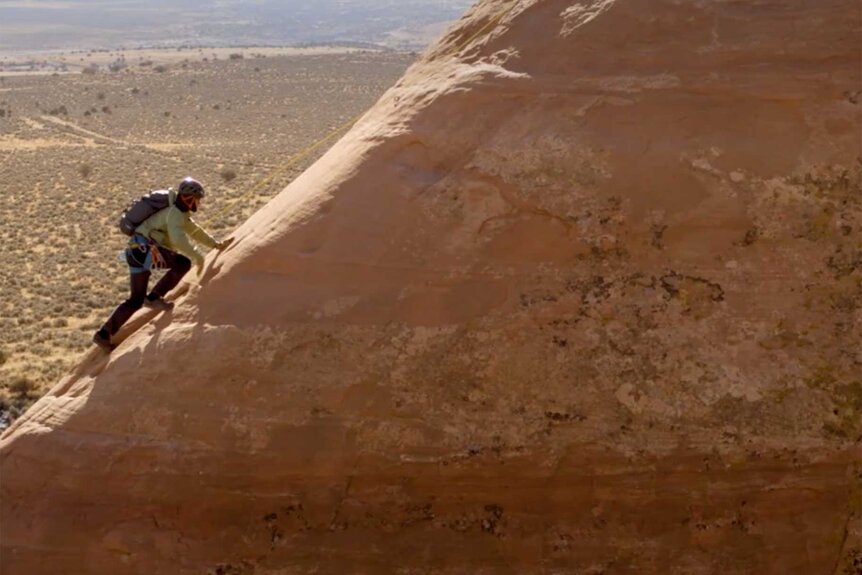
(183, 264)
(135, 302)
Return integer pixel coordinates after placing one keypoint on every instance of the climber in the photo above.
(161, 241)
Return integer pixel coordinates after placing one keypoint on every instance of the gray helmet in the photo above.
(190, 187)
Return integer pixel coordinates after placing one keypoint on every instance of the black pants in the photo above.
(178, 265)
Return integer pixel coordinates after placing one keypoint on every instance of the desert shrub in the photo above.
(22, 387)
(160, 69)
(236, 56)
(40, 348)
(12, 408)
(227, 174)
(3, 357)
(85, 170)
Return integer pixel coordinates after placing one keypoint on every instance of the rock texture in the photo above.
(581, 294)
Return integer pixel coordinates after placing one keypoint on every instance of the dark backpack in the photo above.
(139, 210)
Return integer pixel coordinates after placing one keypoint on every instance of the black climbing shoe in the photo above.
(159, 304)
(103, 340)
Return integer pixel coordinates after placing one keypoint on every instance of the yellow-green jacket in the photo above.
(173, 229)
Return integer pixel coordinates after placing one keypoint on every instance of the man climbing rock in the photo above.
(162, 240)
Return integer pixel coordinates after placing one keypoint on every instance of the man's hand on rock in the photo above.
(224, 244)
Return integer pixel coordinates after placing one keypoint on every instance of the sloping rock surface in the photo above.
(581, 294)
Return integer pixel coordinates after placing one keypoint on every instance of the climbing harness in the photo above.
(142, 255)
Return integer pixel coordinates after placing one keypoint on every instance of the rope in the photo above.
(302, 154)
(290, 162)
(487, 27)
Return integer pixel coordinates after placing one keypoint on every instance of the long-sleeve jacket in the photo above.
(173, 228)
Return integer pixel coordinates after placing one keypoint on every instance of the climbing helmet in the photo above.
(190, 192)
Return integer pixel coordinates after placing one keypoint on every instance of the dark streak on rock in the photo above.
(558, 417)
(670, 282)
(658, 236)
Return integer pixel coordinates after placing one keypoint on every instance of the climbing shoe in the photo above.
(103, 340)
(159, 304)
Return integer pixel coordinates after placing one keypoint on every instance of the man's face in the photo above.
(191, 202)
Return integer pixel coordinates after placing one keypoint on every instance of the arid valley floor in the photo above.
(77, 145)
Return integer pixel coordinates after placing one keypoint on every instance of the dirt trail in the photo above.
(73, 129)
(162, 149)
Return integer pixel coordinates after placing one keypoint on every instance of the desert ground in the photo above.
(81, 134)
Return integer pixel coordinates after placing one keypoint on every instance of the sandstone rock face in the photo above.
(581, 294)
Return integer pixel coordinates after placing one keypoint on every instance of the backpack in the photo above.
(141, 209)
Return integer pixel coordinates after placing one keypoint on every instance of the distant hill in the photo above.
(93, 24)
